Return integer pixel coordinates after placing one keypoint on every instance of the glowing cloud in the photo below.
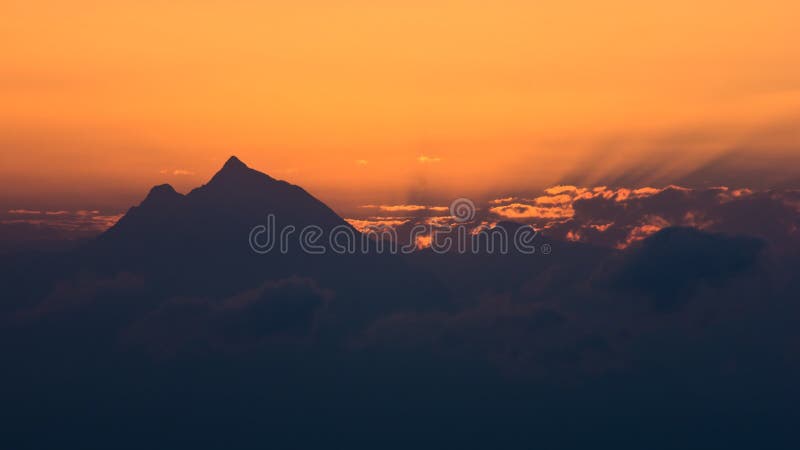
(428, 159)
(406, 208)
(502, 200)
(525, 211)
(364, 225)
(651, 225)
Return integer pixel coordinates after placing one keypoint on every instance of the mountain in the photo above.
(199, 244)
(213, 219)
(236, 199)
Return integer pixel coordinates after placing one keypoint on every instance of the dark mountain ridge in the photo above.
(199, 244)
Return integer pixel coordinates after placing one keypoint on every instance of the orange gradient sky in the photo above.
(379, 101)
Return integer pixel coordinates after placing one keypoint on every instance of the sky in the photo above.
(393, 102)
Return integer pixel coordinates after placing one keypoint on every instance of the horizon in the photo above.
(549, 211)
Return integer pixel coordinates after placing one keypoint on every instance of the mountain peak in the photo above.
(236, 175)
(162, 191)
(161, 195)
(235, 168)
(234, 163)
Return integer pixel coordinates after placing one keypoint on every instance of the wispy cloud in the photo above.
(364, 225)
(394, 208)
(406, 208)
(177, 172)
(80, 222)
(423, 159)
(499, 201)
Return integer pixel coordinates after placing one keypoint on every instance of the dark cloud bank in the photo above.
(167, 332)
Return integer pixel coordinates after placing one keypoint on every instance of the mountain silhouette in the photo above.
(228, 206)
(199, 244)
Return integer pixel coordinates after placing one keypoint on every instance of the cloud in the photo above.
(685, 309)
(177, 172)
(525, 211)
(528, 339)
(557, 206)
(561, 199)
(24, 228)
(650, 225)
(560, 189)
(376, 223)
(672, 263)
(422, 159)
(502, 200)
(361, 162)
(283, 310)
(77, 295)
(104, 222)
(423, 242)
(621, 216)
(406, 208)
(402, 207)
(618, 217)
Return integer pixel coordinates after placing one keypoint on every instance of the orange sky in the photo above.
(366, 101)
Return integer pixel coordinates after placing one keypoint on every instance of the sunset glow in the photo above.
(314, 224)
(375, 102)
